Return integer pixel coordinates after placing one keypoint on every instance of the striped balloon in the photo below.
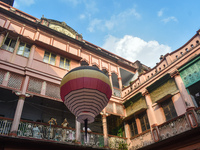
(85, 91)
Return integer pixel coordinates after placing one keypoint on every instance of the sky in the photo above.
(133, 29)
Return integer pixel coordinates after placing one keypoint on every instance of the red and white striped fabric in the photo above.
(85, 91)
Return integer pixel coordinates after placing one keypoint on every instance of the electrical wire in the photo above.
(2, 101)
(32, 104)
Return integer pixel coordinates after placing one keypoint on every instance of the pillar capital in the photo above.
(145, 92)
(104, 114)
(22, 96)
(174, 73)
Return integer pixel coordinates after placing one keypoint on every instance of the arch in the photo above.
(84, 62)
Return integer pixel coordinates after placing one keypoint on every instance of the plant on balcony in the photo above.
(123, 145)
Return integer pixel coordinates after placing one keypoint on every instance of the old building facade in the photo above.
(148, 106)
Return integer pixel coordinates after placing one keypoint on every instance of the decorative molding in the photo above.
(175, 73)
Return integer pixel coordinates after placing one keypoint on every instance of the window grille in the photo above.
(109, 107)
(15, 81)
(2, 73)
(35, 85)
(120, 109)
(53, 90)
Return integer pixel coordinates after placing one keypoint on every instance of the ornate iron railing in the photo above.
(93, 139)
(142, 140)
(164, 131)
(173, 127)
(46, 131)
(5, 126)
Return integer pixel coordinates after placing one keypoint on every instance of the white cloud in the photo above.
(91, 6)
(94, 24)
(18, 3)
(115, 20)
(133, 48)
(172, 18)
(82, 16)
(73, 2)
(160, 12)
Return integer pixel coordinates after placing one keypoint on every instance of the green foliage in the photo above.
(123, 145)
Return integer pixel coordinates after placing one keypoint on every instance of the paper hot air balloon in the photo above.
(85, 91)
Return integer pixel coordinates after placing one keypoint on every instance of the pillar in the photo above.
(15, 50)
(110, 78)
(20, 105)
(187, 100)
(119, 79)
(105, 129)
(30, 59)
(127, 133)
(18, 112)
(6, 78)
(90, 60)
(2, 36)
(78, 132)
(120, 85)
(150, 110)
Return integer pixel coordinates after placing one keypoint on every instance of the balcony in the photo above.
(178, 128)
(57, 134)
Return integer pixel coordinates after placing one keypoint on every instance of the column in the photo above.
(120, 84)
(150, 111)
(30, 59)
(127, 133)
(110, 78)
(90, 60)
(6, 78)
(20, 105)
(187, 100)
(2, 36)
(15, 50)
(100, 65)
(78, 132)
(18, 112)
(119, 78)
(105, 129)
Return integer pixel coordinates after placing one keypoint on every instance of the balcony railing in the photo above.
(116, 142)
(116, 92)
(93, 139)
(198, 114)
(178, 125)
(173, 127)
(5, 125)
(44, 131)
(142, 140)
